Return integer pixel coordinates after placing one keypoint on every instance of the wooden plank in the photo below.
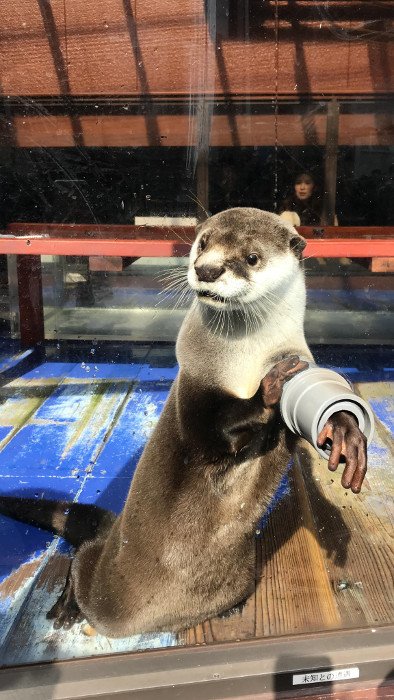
(380, 475)
(27, 450)
(293, 592)
(380, 396)
(23, 549)
(99, 42)
(34, 640)
(382, 265)
(129, 47)
(179, 130)
(109, 482)
(54, 439)
(100, 50)
(25, 54)
(357, 536)
(101, 263)
(334, 67)
(172, 47)
(22, 397)
(237, 624)
(14, 590)
(14, 365)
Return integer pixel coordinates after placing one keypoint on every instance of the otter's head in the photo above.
(243, 255)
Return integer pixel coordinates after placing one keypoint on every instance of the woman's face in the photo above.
(304, 187)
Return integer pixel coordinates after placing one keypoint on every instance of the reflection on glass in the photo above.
(160, 114)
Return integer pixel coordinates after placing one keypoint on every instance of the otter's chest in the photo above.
(244, 364)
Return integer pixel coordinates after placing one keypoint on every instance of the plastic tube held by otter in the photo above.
(311, 397)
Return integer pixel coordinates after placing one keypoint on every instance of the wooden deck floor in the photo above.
(75, 430)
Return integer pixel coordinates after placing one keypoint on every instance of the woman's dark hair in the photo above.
(309, 210)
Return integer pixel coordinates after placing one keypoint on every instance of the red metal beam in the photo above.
(349, 248)
(106, 231)
(326, 248)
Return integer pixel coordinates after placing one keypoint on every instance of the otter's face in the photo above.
(243, 255)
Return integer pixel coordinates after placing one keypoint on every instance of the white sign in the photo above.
(325, 676)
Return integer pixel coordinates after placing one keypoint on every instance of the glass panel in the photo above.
(123, 125)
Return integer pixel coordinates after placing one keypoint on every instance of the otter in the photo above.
(217, 454)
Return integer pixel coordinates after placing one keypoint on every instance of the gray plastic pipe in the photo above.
(312, 396)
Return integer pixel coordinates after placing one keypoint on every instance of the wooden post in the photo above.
(31, 313)
(331, 162)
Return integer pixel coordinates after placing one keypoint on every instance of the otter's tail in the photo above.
(76, 522)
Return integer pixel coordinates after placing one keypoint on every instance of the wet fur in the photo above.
(183, 548)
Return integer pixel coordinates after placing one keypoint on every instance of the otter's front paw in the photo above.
(272, 384)
(347, 441)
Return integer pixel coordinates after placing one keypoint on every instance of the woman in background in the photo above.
(304, 206)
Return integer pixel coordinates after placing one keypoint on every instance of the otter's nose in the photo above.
(208, 273)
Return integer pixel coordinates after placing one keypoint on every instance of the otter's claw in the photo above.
(66, 611)
(272, 384)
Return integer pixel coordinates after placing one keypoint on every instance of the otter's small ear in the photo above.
(297, 245)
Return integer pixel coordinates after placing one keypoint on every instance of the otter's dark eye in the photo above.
(252, 259)
(203, 244)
